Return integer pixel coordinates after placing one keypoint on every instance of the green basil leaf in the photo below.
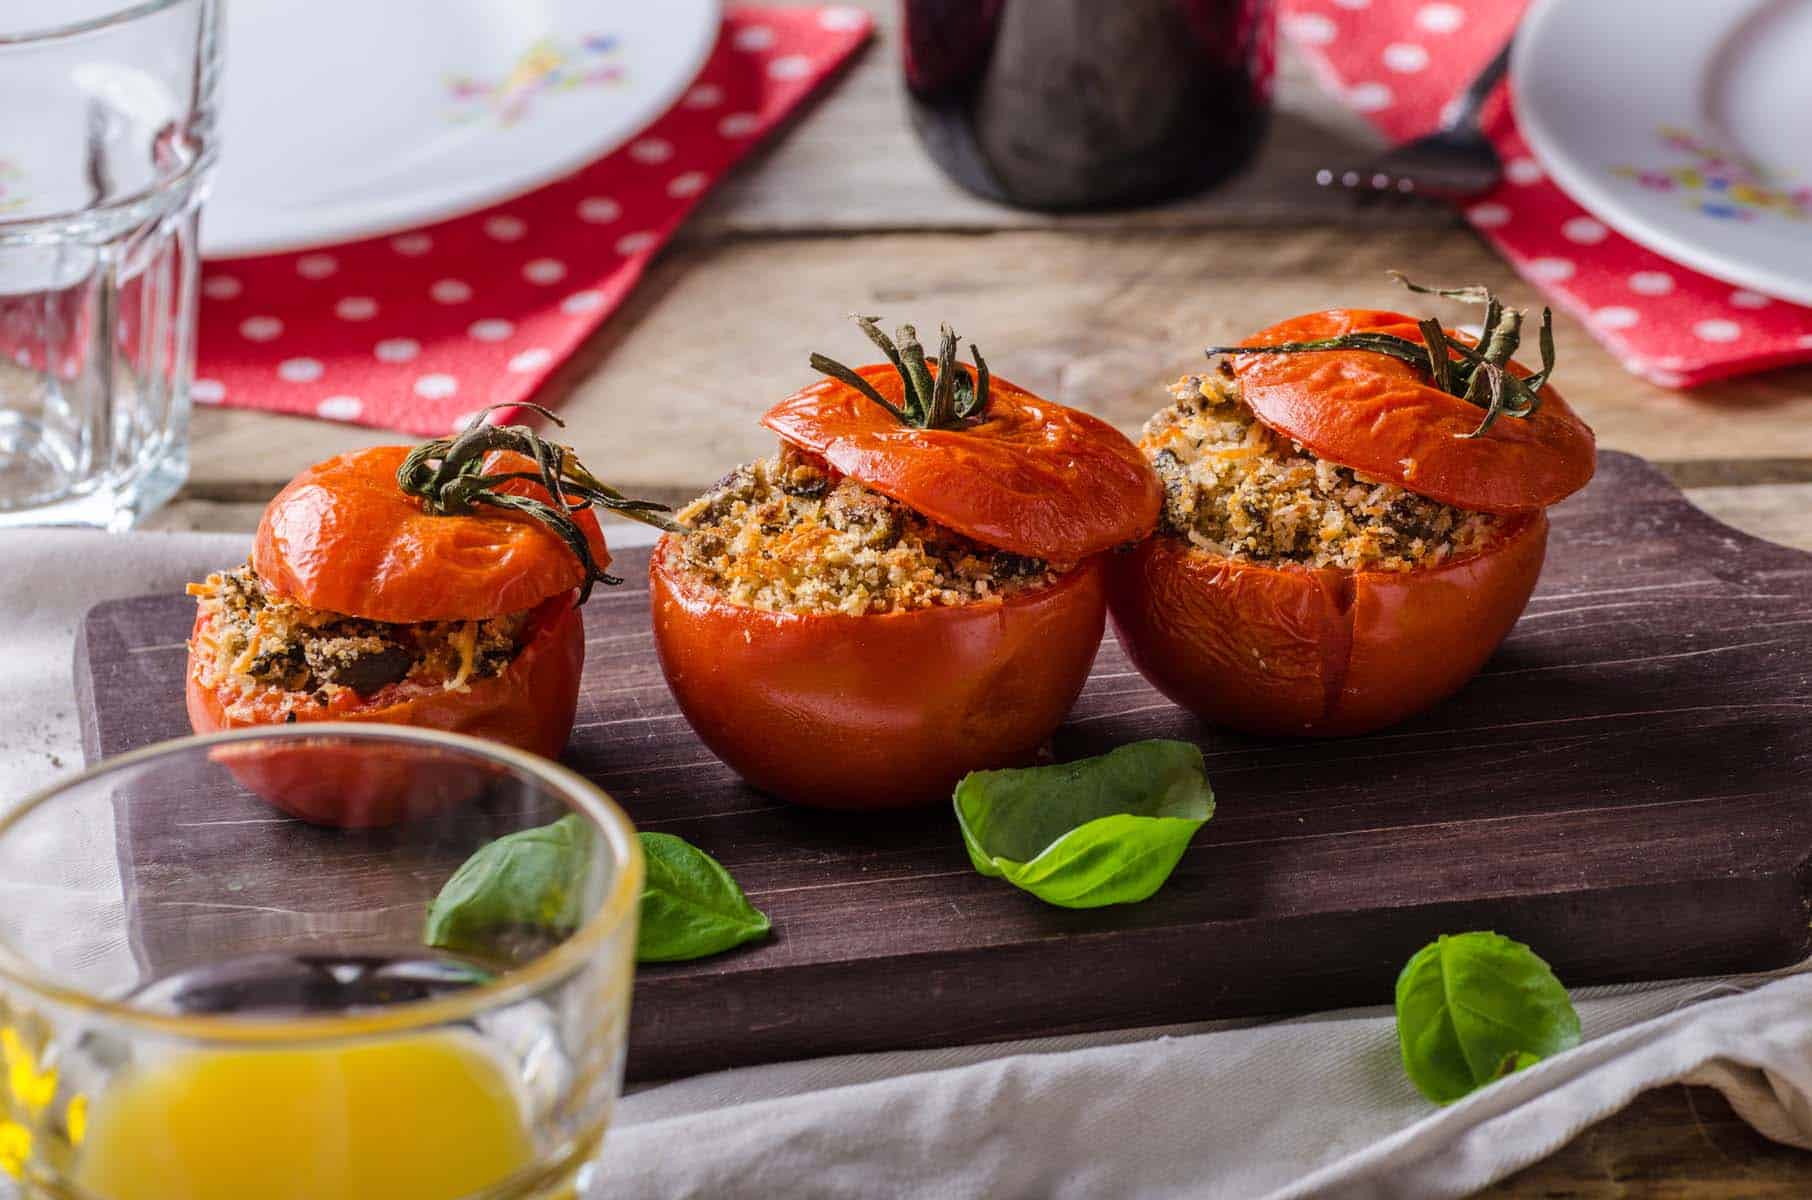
(531, 879)
(690, 906)
(1104, 830)
(1474, 1007)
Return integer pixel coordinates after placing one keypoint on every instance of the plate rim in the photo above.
(1600, 197)
(399, 217)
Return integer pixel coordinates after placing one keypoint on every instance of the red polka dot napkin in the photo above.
(1399, 61)
(416, 331)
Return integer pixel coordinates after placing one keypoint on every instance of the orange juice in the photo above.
(431, 1117)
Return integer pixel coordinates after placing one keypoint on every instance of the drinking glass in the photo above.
(106, 145)
(177, 954)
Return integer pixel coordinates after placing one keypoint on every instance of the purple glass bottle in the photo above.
(1088, 104)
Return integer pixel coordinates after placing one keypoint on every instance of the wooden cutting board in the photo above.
(1627, 787)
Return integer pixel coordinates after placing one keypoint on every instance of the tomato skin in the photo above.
(1381, 417)
(529, 704)
(1027, 476)
(1321, 653)
(880, 711)
(343, 537)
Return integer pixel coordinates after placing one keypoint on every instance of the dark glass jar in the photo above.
(1085, 104)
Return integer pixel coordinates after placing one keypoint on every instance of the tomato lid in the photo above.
(343, 536)
(1383, 417)
(1023, 475)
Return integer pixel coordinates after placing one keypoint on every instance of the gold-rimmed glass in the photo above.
(166, 930)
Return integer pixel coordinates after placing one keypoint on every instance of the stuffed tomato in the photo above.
(908, 590)
(437, 587)
(1354, 518)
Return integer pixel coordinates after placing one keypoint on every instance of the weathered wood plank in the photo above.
(1674, 1143)
(666, 396)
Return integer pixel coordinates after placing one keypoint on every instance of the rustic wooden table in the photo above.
(843, 213)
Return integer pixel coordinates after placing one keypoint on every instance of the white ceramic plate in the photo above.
(351, 118)
(1686, 125)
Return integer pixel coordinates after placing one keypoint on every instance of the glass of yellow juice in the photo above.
(203, 996)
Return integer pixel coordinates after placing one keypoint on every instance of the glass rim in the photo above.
(123, 15)
(507, 987)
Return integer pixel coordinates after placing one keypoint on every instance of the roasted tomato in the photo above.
(910, 590)
(436, 587)
(1345, 540)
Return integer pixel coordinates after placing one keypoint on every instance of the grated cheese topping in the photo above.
(787, 534)
(1236, 489)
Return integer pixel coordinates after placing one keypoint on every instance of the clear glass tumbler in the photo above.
(202, 997)
(106, 144)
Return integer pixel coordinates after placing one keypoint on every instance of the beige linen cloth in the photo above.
(1315, 1106)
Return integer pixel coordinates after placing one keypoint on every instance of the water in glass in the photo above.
(100, 189)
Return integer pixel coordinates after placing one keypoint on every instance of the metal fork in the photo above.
(1455, 160)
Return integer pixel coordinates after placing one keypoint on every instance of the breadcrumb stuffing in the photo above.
(787, 534)
(258, 641)
(1236, 489)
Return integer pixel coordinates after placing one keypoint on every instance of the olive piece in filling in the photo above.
(256, 639)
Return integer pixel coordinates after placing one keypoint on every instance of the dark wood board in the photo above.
(1625, 787)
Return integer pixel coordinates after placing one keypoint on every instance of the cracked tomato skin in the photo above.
(529, 705)
(342, 536)
(1316, 652)
(1027, 476)
(878, 711)
(1381, 417)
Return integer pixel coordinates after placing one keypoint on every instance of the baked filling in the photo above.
(258, 641)
(1236, 489)
(787, 534)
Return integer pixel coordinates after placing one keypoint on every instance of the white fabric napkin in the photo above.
(1307, 1107)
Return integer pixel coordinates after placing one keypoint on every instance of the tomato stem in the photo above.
(1478, 373)
(947, 401)
(448, 476)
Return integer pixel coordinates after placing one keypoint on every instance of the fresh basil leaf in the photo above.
(1104, 830)
(1474, 1007)
(531, 879)
(690, 906)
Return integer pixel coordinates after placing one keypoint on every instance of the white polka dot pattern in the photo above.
(1523, 171)
(1400, 63)
(1584, 230)
(599, 210)
(504, 228)
(436, 386)
(300, 370)
(1551, 269)
(317, 266)
(1406, 58)
(1440, 18)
